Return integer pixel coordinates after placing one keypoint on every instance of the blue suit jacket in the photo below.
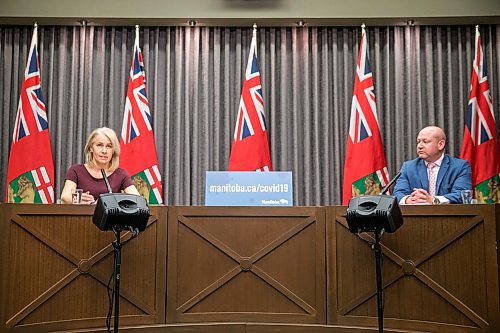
(454, 175)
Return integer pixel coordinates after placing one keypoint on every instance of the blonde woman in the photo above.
(102, 152)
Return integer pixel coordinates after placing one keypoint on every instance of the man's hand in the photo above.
(419, 196)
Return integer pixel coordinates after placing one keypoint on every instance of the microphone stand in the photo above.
(378, 272)
(117, 228)
(378, 263)
(117, 250)
(377, 231)
(117, 247)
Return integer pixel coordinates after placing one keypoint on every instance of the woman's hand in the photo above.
(87, 198)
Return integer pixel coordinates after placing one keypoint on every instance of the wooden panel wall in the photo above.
(250, 269)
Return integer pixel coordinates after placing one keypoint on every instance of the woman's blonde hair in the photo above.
(111, 135)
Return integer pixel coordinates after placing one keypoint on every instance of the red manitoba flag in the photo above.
(138, 150)
(250, 150)
(480, 142)
(30, 173)
(365, 168)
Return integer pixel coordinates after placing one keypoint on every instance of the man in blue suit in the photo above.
(449, 175)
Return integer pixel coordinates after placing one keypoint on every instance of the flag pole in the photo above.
(254, 38)
(35, 34)
(378, 253)
(137, 34)
(363, 32)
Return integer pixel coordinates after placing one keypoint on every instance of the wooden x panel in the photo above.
(439, 271)
(246, 264)
(60, 264)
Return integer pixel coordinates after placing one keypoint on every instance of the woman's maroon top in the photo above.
(118, 180)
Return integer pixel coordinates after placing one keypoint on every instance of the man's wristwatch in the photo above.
(435, 201)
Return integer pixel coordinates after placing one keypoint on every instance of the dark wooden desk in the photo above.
(440, 271)
(56, 264)
(244, 269)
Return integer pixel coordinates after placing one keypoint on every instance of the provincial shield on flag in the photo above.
(148, 183)
(30, 187)
(371, 184)
(488, 191)
(138, 150)
(30, 173)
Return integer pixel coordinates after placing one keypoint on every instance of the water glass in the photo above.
(466, 196)
(77, 195)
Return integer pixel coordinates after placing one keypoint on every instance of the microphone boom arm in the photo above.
(106, 181)
(393, 180)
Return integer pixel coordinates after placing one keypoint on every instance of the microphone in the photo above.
(393, 180)
(106, 181)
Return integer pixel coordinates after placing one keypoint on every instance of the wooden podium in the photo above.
(250, 269)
